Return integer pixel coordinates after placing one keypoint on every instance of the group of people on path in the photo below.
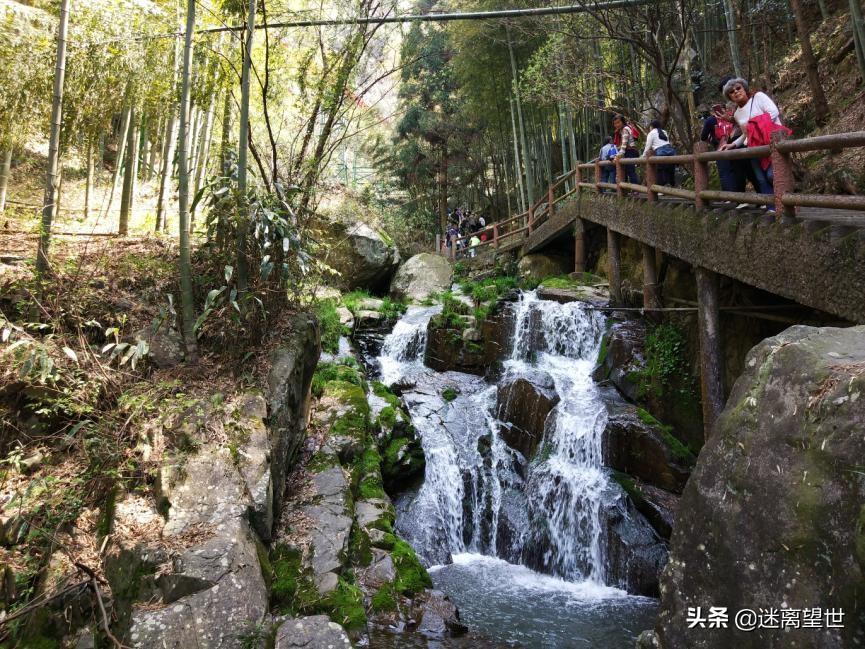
(462, 223)
(747, 119)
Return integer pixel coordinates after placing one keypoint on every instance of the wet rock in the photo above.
(362, 255)
(623, 363)
(314, 632)
(539, 266)
(346, 318)
(367, 319)
(641, 449)
(288, 396)
(635, 553)
(370, 304)
(440, 617)
(525, 402)
(421, 276)
(769, 517)
(512, 525)
(660, 508)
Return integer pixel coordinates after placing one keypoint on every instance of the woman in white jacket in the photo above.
(659, 142)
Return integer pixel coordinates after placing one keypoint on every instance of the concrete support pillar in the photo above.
(579, 246)
(614, 269)
(711, 356)
(651, 292)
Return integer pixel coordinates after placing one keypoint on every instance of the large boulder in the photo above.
(539, 266)
(421, 276)
(292, 365)
(314, 632)
(636, 444)
(773, 516)
(524, 403)
(363, 257)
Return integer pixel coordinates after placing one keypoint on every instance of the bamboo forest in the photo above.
(432, 324)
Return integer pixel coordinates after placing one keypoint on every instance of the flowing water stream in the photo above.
(518, 543)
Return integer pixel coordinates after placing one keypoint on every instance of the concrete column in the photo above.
(614, 269)
(711, 356)
(579, 246)
(651, 292)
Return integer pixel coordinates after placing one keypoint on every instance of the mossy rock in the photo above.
(292, 588)
(411, 576)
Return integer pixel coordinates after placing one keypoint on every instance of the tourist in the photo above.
(659, 142)
(625, 139)
(474, 242)
(608, 152)
(757, 116)
(718, 130)
(482, 221)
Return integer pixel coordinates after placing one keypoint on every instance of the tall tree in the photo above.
(52, 176)
(243, 148)
(185, 265)
(821, 108)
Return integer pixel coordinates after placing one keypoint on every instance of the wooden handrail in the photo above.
(783, 200)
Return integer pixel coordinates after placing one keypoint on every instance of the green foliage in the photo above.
(680, 451)
(381, 390)
(392, 309)
(666, 370)
(352, 300)
(340, 371)
(449, 394)
(331, 327)
(387, 418)
(359, 551)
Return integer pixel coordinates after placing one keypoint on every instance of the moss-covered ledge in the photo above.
(789, 260)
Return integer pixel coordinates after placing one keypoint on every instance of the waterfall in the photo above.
(567, 485)
(479, 495)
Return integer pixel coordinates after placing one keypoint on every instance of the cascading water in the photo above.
(485, 507)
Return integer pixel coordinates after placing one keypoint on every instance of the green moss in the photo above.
(411, 577)
(344, 605)
(382, 391)
(385, 599)
(354, 422)
(322, 462)
(602, 352)
(678, 450)
(359, 547)
(327, 372)
(387, 418)
(392, 309)
(352, 300)
(474, 348)
(292, 590)
(386, 543)
(331, 327)
(449, 394)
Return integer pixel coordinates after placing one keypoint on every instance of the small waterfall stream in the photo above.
(483, 508)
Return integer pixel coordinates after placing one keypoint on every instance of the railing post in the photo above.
(578, 178)
(651, 176)
(783, 182)
(620, 176)
(701, 174)
(496, 235)
(597, 176)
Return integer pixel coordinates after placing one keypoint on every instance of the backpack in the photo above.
(635, 132)
(722, 129)
(611, 152)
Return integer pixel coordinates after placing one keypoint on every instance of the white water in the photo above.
(483, 509)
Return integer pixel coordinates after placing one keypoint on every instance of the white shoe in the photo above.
(742, 206)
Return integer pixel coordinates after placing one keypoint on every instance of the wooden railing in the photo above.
(784, 199)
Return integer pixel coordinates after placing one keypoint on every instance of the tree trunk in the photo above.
(144, 138)
(821, 108)
(225, 144)
(732, 37)
(858, 34)
(154, 152)
(443, 190)
(88, 187)
(516, 89)
(5, 166)
(242, 148)
(517, 169)
(165, 175)
(185, 265)
(203, 150)
(48, 207)
(126, 198)
(121, 154)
